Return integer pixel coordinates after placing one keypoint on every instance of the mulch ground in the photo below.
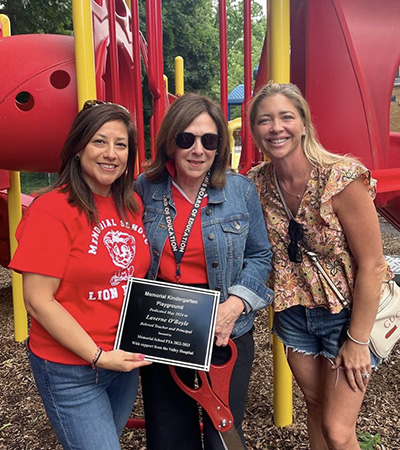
(24, 425)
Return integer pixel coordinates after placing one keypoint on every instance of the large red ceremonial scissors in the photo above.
(213, 395)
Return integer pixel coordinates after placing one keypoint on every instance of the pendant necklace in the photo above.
(298, 196)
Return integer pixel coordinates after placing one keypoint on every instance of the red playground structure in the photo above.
(344, 56)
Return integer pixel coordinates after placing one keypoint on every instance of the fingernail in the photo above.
(142, 357)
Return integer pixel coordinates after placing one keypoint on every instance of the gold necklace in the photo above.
(298, 196)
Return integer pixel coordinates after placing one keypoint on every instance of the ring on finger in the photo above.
(366, 375)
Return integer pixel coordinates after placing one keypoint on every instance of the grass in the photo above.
(368, 441)
(32, 181)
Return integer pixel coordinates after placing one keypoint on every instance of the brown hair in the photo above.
(178, 117)
(70, 180)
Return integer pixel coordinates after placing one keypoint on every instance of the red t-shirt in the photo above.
(193, 265)
(92, 261)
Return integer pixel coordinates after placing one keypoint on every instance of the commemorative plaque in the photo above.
(169, 323)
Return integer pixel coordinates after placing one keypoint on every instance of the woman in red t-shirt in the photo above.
(77, 244)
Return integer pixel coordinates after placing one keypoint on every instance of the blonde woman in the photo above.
(321, 201)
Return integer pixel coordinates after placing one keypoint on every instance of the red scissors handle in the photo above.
(213, 392)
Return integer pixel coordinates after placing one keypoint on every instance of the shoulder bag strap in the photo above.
(312, 255)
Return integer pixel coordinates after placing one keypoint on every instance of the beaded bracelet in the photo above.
(355, 340)
(96, 357)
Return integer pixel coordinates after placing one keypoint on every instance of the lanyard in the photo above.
(178, 251)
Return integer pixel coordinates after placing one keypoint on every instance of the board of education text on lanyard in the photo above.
(179, 251)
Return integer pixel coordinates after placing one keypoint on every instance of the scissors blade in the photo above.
(231, 440)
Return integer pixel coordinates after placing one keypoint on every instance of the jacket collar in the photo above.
(214, 195)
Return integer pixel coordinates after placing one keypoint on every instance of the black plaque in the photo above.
(169, 323)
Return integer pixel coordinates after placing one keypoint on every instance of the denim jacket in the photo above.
(237, 250)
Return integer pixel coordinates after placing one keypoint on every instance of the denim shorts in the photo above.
(314, 331)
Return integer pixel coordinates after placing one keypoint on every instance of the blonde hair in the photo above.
(312, 148)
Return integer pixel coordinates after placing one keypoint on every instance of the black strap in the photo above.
(311, 254)
(179, 251)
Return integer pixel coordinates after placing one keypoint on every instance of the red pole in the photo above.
(246, 156)
(223, 57)
(160, 61)
(116, 98)
(137, 84)
(155, 72)
(135, 423)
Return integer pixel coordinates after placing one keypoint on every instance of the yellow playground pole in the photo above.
(179, 76)
(279, 42)
(5, 23)
(279, 70)
(14, 216)
(233, 125)
(165, 79)
(84, 51)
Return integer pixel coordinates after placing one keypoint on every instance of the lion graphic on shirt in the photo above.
(121, 247)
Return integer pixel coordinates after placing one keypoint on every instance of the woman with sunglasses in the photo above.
(321, 202)
(77, 244)
(227, 250)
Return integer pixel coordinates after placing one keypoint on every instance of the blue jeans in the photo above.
(88, 411)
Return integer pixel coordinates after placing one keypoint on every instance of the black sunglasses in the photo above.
(296, 233)
(209, 141)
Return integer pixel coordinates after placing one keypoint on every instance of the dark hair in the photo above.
(70, 180)
(178, 117)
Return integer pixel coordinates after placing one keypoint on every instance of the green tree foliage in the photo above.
(38, 16)
(235, 14)
(190, 30)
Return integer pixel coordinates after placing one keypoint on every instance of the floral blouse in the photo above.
(301, 283)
